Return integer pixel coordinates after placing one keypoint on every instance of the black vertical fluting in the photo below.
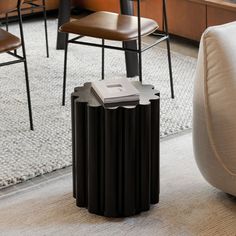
(93, 159)
(111, 177)
(155, 151)
(137, 162)
(96, 160)
(81, 153)
(73, 144)
(102, 159)
(120, 163)
(145, 154)
(115, 156)
(129, 162)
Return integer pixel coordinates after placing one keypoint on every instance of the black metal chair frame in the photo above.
(35, 6)
(20, 59)
(164, 37)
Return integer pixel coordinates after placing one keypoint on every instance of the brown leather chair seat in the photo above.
(111, 26)
(8, 41)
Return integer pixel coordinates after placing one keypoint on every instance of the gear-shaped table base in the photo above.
(115, 153)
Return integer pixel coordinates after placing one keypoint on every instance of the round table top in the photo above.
(85, 94)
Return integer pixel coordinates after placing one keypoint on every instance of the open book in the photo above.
(115, 91)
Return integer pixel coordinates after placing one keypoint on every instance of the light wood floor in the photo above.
(188, 205)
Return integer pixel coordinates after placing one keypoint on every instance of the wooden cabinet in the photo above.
(50, 5)
(99, 5)
(152, 9)
(186, 19)
(217, 16)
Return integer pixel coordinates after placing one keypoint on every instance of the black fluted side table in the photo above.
(115, 153)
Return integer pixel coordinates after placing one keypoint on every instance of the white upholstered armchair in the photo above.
(214, 119)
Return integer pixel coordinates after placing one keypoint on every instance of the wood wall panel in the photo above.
(50, 5)
(152, 9)
(186, 18)
(15, 13)
(99, 5)
(217, 16)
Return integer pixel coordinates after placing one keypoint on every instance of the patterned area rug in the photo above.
(25, 154)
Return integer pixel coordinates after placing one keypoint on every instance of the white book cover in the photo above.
(115, 90)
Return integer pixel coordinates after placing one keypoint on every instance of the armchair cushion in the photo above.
(214, 119)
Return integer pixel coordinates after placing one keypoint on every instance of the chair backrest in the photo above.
(9, 5)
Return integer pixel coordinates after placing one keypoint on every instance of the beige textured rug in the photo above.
(25, 154)
(188, 205)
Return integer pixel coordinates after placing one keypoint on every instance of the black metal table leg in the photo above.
(63, 17)
(126, 8)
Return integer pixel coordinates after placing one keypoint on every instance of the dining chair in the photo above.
(111, 26)
(30, 5)
(10, 42)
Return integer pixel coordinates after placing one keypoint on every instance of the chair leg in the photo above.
(103, 58)
(26, 70)
(170, 68)
(65, 71)
(45, 26)
(165, 24)
(28, 96)
(139, 44)
(140, 67)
